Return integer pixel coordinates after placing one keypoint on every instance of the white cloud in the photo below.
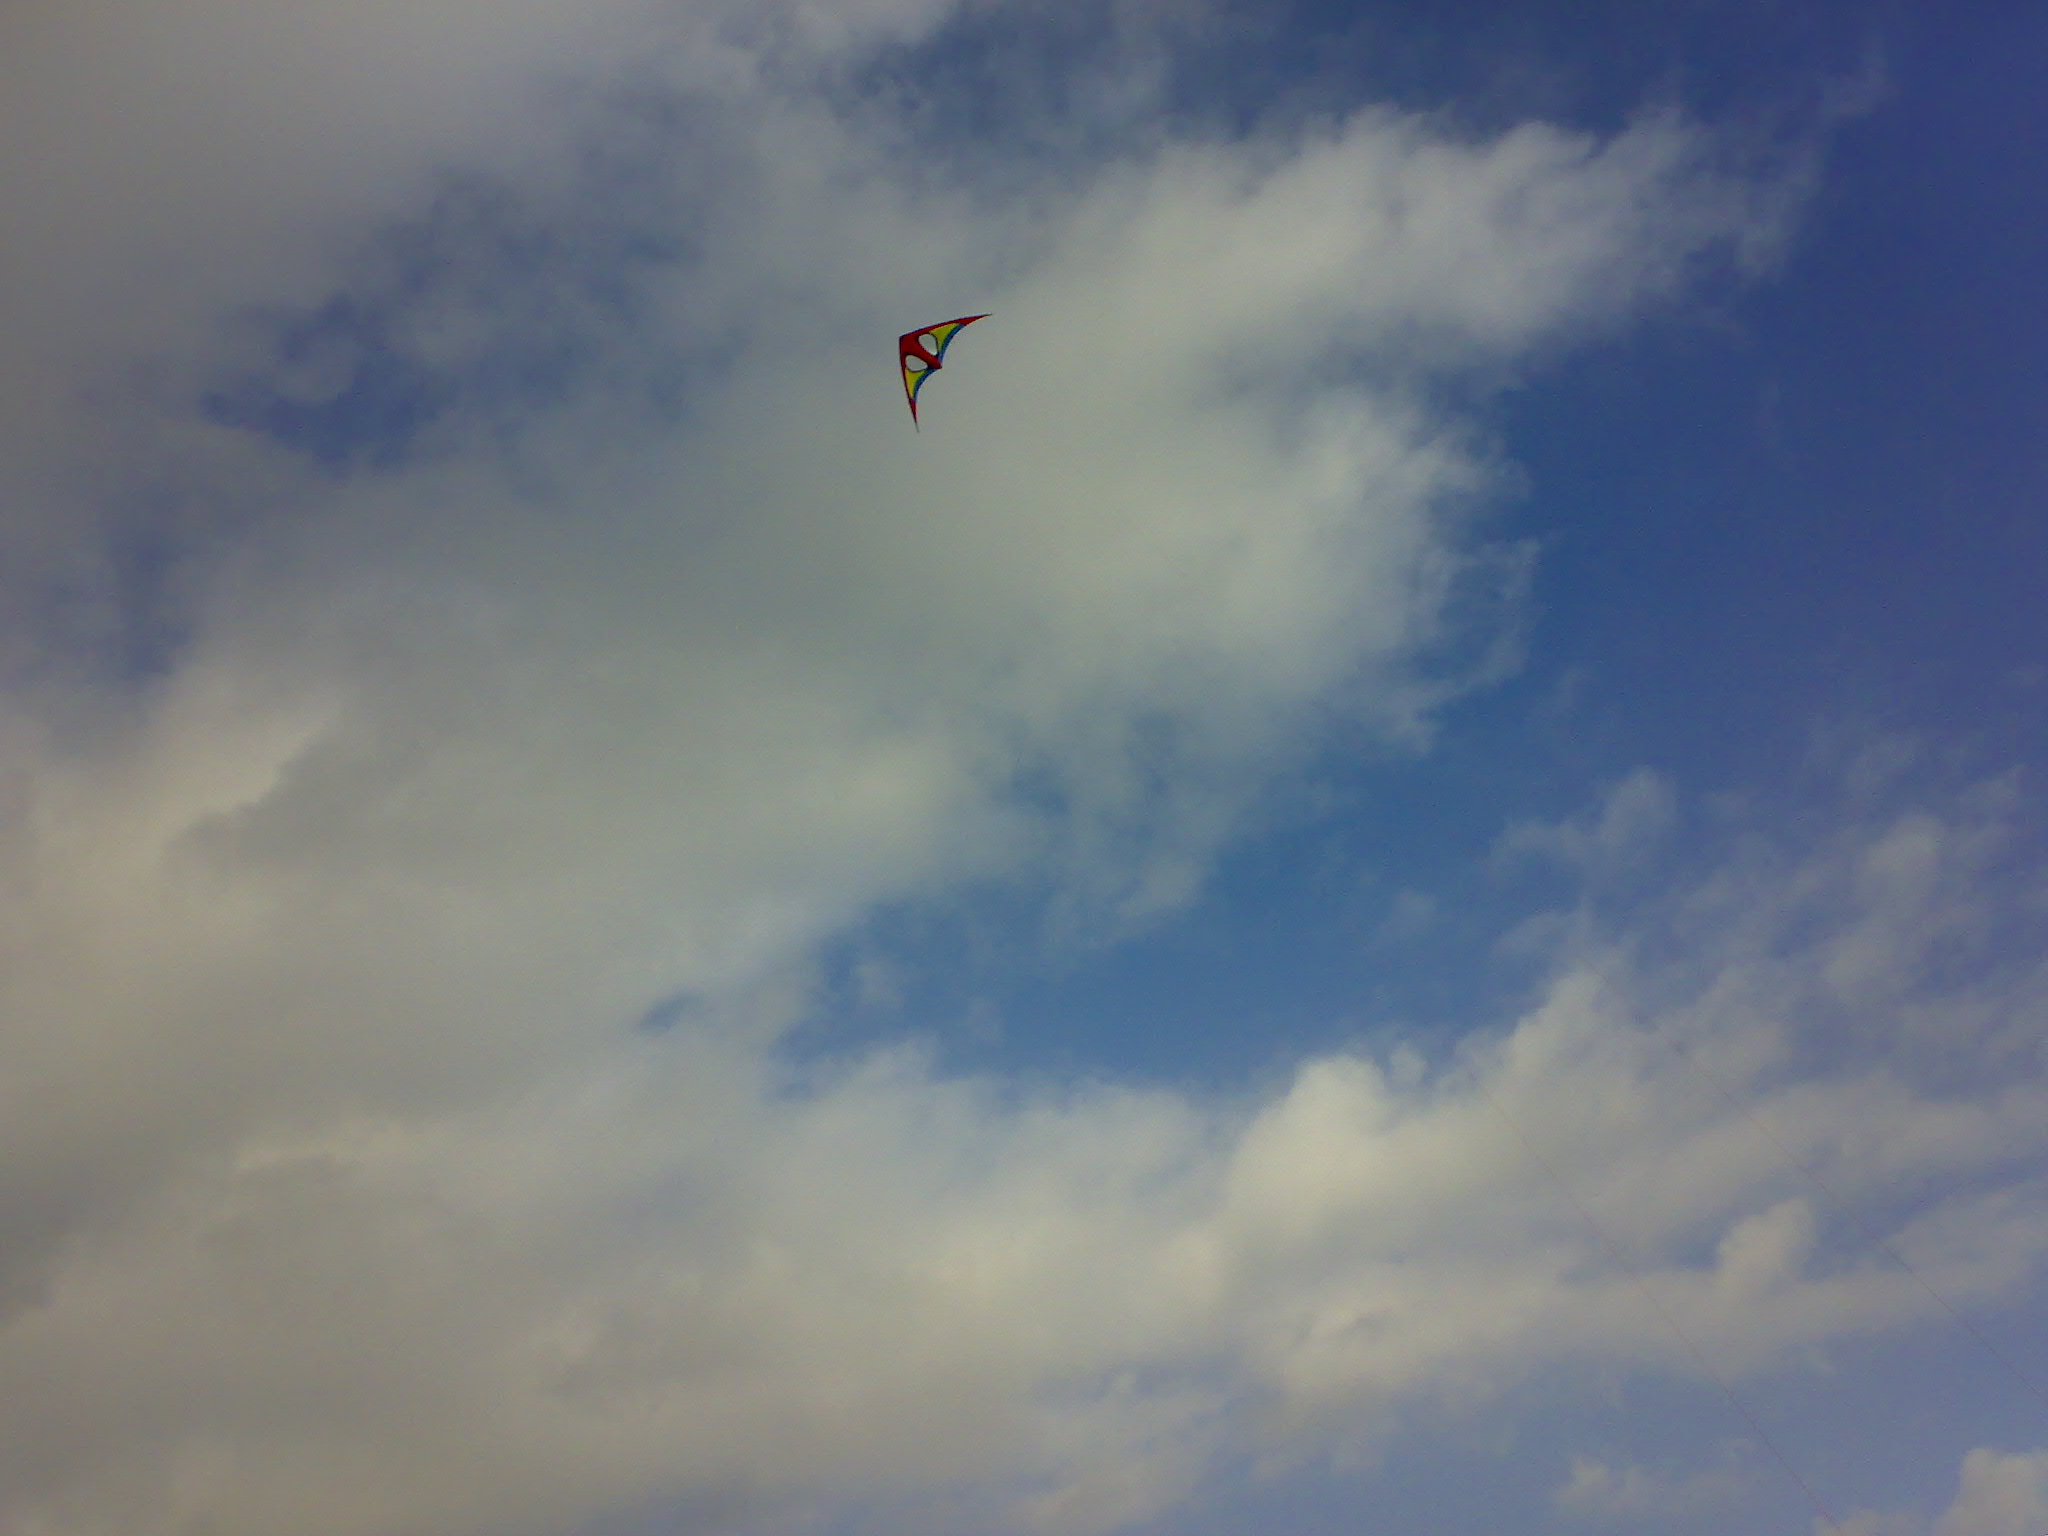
(2003, 1493)
(655, 1270)
(336, 1194)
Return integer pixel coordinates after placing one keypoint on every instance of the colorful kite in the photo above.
(919, 351)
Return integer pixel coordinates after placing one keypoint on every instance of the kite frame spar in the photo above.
(910, 347)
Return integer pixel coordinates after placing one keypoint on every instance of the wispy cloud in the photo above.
(1639, 1495)
(1632, 819)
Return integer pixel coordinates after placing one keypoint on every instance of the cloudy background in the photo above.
(1390, 880)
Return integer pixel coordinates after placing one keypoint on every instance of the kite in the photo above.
(919, 352)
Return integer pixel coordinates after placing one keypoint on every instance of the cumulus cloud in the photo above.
(475, 585)
(671, 1269)
(2003, 1493)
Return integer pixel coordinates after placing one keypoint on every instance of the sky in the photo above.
(1391, 879)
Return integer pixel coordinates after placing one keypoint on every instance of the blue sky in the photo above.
(1391, 879)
